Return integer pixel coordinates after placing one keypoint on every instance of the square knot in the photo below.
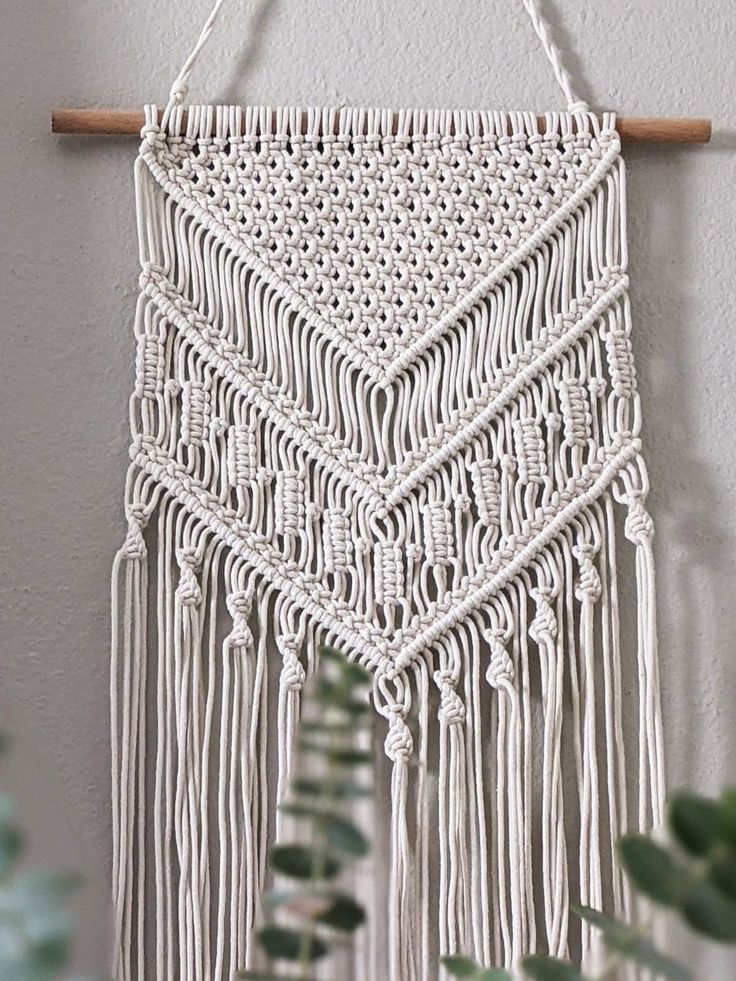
(438, 533)
(543, 628)
(135, 545)
(242, 455)
(293, 674)
(388, 572)
(530, 450)
(487, 492)
(188, 591)
(398, 744)
(589, 580)
(575, 412)
(336, 541)
(500, 671)
(149, 366)
(239, 605)
(195, 412)
(638, 526)
(620, 361)
(289, 503)
(452, 709)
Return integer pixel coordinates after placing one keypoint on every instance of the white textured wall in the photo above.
(68, 275)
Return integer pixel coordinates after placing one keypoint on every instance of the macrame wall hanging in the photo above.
(384, 399)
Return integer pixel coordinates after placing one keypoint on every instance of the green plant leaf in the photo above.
(340, 757)
(355, 675)
(340, 697)
(7, 809)
(695, 822)
(52, 951)
(41, 891)
(459, 967)
(320, 727)
(653, 870)
(710, 912)
(549, 969)
(281, 943)
(628, 941)
(723, 873)
(327, 653)
(341, 833)
(11, 845)
(335, 789)
(493, 974)
(350, 757)
(298, 862)
(346, 838)
(345, 914)
(727, 807)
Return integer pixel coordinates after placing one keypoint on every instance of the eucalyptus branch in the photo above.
(336, 710)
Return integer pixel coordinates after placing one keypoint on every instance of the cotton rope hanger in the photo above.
(385, 399)
(635, 129)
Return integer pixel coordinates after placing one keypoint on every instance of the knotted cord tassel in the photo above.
(544, 632)
(394, 702)
(454, 911)
(639, 529)
(588, 592)
(238, 850)
(128, 670)
(512, 861)
(291, 682)
(187, 827)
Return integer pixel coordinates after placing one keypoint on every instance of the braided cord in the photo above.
(180, 86)
(574, 104)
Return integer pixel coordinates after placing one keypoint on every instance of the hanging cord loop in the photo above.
(180, 87)
(574, 104)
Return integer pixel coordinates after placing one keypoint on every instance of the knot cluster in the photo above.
(239, 605)
(293, 674)
(543, 628)
(289, 503)
(438, 533)
(135, 545)
(149, 366)
(398, 744)
(638, 526)
(589, 580)
(336, 541)
(620, 361)
(188, 591)
(530, 450)
(487, 491)
(389, 571)
(452, 709)
(500, 669)
(576, 414)
(195, 413)
(242, 455)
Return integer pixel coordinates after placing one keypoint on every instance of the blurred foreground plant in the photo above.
(35, 929)
(694, 876)
(315, 912)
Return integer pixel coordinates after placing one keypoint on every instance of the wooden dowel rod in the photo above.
(128, 122)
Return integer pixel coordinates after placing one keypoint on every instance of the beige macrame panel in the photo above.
(385, 398)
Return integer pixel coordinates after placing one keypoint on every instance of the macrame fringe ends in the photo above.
(385, 400)
(515, 718)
